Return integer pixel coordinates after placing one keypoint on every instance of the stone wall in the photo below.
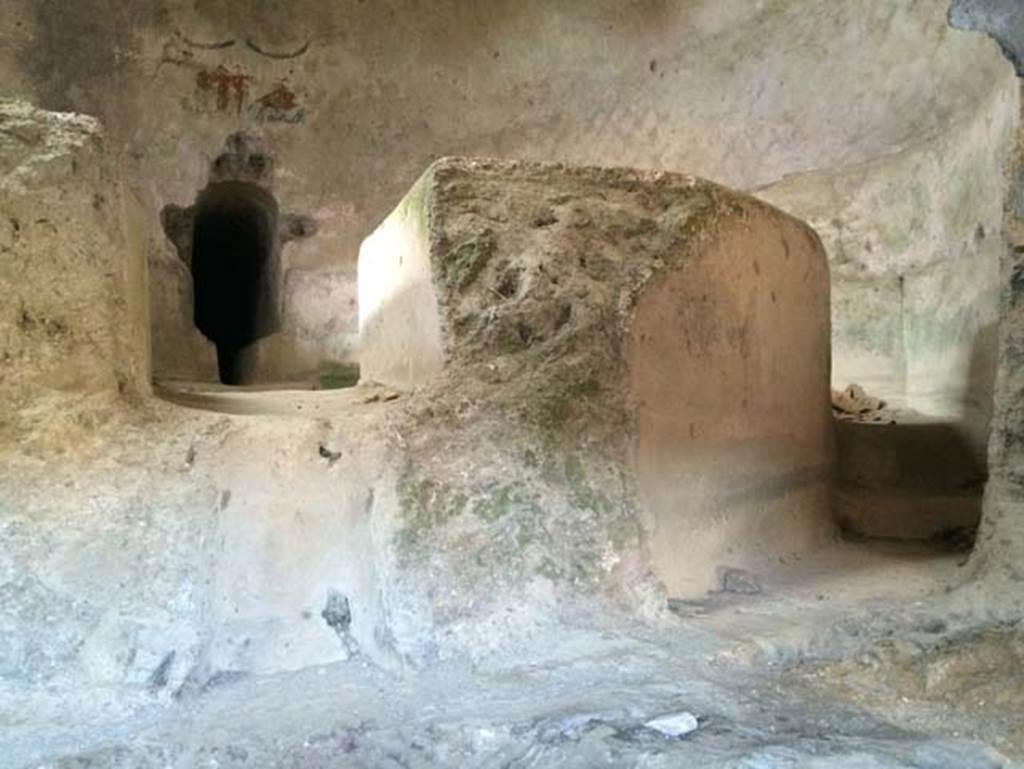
(915, 247)
(1000, 549)
(914, 252)
(355, 99)
(73, 271)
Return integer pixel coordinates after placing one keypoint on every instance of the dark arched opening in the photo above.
(235, 273)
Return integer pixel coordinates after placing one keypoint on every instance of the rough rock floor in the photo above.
(755, 670)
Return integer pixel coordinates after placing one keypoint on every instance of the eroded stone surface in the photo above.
(1000, 550)
(150, 552)
(597, 318)
(73, 266)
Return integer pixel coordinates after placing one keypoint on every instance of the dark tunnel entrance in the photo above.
(235, 273)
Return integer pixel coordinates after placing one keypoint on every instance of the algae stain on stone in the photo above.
(582, 495)
(425, 504)
(334, 376)
(464, 262)
(496, 504)
(549, 569)
(414, 204)
(557, 408)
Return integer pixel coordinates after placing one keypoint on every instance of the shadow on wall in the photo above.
(908, 481)
(981, 376)
(1003, 20)
(910, 477)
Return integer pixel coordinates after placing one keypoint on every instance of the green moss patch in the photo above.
(334, 376)
(464, 262)
(425, 505)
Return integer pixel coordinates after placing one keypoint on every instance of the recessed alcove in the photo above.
(236, 301)
(235, 272)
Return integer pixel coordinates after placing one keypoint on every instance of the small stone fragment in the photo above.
(854, 403)
(674, 725)
(328, 454)
(739, 581)
(687, 608)
(337, 613)
(544, 217)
